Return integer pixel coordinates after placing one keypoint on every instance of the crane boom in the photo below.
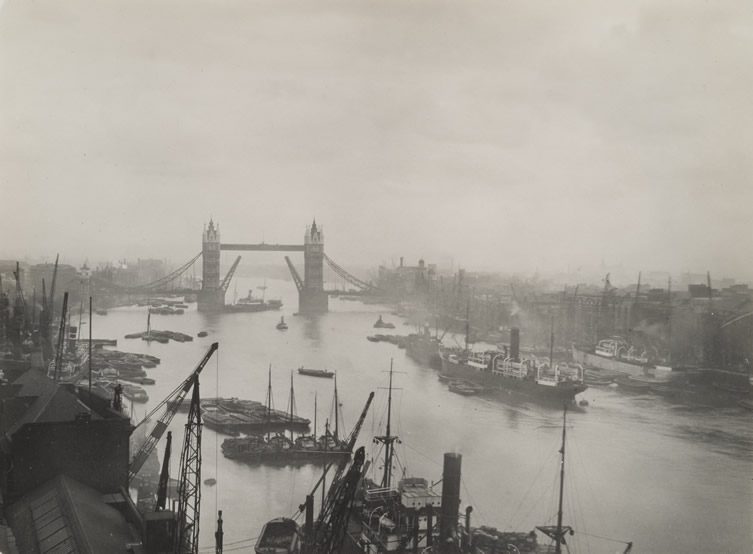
(226, 281)
(172, 403)
(351, 443)
(333, 519)
(164, 475)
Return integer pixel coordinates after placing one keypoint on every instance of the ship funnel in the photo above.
(515, 344)
(450, 496)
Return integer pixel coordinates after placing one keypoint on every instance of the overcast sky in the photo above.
(510, 135)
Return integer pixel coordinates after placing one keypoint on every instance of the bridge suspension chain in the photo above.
(154, 284)
(353, 280)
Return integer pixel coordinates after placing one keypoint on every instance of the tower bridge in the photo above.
(312, 298)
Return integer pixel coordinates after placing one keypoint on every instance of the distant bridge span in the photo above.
(263, 247)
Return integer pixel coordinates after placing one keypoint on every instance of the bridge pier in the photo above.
(211, 298)
(312, 298)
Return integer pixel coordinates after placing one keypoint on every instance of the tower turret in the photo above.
(211, 297)
(313, 299)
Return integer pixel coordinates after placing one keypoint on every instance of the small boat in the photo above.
(460, 387)
(279, 536)
(100, 312)
(316, 372)
(202, 334)
(210, 482)
(634, 385)
(282, 326)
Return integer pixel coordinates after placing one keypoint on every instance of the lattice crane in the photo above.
(189, 485)
(333, 519)
(171, 403)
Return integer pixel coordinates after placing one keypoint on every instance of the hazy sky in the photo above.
(510, 135)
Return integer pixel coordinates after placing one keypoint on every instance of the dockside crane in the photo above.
(171, 404)
(189, 485)
(164, 476)
(332, 523)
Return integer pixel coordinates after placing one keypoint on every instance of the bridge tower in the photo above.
(211, 297)
(312, 298)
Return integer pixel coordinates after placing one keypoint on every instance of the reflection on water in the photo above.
(639, 468)
(311, 328)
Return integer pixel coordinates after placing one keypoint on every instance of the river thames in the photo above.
(670, 478)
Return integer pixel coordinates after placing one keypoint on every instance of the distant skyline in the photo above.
(510, 136)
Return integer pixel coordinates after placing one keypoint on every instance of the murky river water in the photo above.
(669, 478)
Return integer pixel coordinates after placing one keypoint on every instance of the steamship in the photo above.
(616, 355)
(496, 370)
(252, 304)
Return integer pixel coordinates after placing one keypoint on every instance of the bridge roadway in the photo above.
(263, 247)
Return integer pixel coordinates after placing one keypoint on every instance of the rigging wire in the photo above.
(515, 518)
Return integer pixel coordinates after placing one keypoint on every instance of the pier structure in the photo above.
(312, 298)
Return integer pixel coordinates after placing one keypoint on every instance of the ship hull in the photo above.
(494, 382)
(424, 352)
(590, 360)
(234, 308)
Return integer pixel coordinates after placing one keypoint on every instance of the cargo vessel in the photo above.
(252, 304)
(496, 370)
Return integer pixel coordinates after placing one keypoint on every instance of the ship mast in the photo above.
(558, 537)
(551, 343)
(337, 407)
(669, 320)
(388, 439)
(467, 323)
(269, 398)
(292, 406)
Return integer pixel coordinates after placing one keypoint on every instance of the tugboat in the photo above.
(381, 324)
(282, 326)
